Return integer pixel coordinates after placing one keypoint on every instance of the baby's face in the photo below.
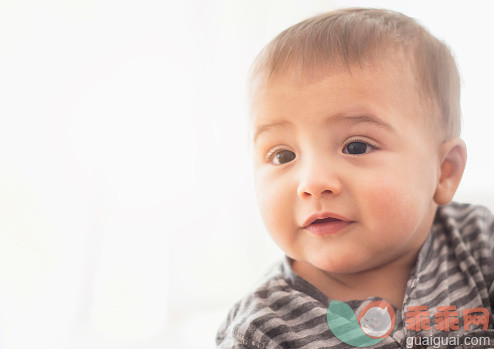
(354, 151)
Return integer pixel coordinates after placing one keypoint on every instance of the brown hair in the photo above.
(357, 36)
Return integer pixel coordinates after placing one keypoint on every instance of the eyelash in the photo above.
(361, 140)
(273, 152)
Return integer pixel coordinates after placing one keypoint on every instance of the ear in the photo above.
(453, 157)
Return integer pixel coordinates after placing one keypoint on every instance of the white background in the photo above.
(127, 212)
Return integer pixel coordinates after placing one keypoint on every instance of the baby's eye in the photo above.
(357, 148)
(282, 157)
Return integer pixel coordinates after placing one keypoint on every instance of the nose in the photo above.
(318, 179)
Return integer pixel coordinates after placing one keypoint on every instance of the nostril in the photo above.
(315, 193)
(318, 188)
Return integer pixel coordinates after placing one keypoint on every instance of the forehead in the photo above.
(383, 87)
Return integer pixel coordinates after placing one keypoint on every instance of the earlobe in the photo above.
(453, 157)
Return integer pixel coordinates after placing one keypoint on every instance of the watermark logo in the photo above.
(374, 323)
(446, 318)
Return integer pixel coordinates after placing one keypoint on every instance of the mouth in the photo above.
(326, 224)
(325, 220)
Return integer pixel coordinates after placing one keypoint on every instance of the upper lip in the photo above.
(324, 215)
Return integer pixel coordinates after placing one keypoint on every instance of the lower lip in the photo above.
(327, 228)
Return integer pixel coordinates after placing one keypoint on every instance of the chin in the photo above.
(333, 267)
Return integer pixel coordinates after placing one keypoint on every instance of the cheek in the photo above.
(394, 204)
(275, 203)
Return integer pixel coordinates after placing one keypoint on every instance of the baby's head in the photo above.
(355, 120)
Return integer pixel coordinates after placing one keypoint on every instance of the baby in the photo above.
(355, 120)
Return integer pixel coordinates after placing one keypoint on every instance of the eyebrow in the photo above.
(363, 119)
(263, 128)
(331, 120)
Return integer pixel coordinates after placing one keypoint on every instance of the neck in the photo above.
(388, 281)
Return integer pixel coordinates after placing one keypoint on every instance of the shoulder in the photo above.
(471, 229)
(251, 314)
(474, 223)
(271, 311)
(463, 214)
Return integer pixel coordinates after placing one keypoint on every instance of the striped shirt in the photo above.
(455, 267)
